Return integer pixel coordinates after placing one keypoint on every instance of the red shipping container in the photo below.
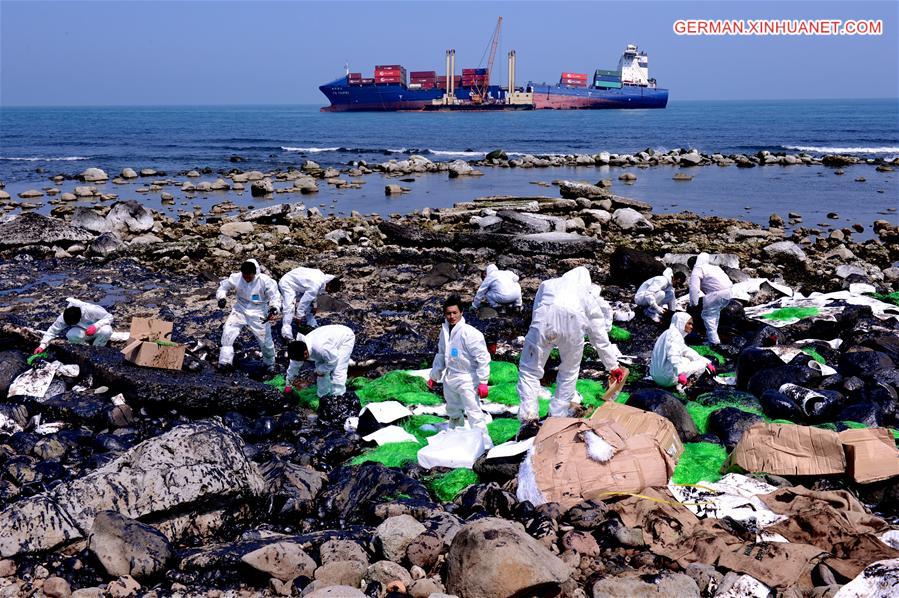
(390, 72)
(424, 74)
(574, 76)
(355, 75)
(368, 81)
(388, 80)
(388, 66)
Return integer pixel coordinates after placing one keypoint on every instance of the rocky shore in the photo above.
(196, 483)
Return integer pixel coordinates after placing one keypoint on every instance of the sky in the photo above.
(216, 52)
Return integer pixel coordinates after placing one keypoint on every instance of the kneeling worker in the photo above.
(673, 363)
(657, 293)
(500, 287)
(83, 324)
(258, 302)
(329, 348)
(463, 363)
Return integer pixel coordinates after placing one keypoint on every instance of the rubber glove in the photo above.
(222, 304)
(482, 390)
(431, 384)
(682, 379)
(711, 369)
(616, 375)
(272, 312)
(39, 350)
(91, 330)
(288, 389)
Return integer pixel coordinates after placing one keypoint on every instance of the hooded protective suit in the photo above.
(329, 349)
(90, 315)
(463, 362)
(656, 292)
(500, 287)
(716, 289)
(251, 310)
(565, 310)
(307, 284)
(671, 356)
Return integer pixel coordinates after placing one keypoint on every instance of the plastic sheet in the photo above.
(36, 381)
(452, 448)
(878, 580)
(390, 435)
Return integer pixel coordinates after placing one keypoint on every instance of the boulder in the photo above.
(557, 244)
(630, 266)
(406, 235)
(93, 175)
(627, 202)
(458, 168)
(128, 173)
(396, 533)
(236, 229)
(106, 245)
(337, 591)
(31, 194)
(729, 424)
(127, 547)
(386, 573)
(630, 219)
(573, 190)
(495, 558)
(12, 363)
(281, 213)
(668, 406)
(786, 252)
(178, 472)
(353, 492)
(85, 191)
(523, 223)
(129, 216)
(342, 550)
(752, 360)
(497, 154)
(261, 188)
(89, 219)
(34, 229)
(282, 560)
(293, 488)
(671, 584)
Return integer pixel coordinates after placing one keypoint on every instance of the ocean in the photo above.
(36, 143)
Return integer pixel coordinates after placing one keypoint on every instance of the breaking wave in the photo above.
(843, 150)
(311, 150)
(38, 159)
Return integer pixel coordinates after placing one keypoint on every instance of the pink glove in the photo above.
(711, 369)
(39, 350)
(431, 384)
(616, 375)
(91, 330)
(682, 379)
(288, 389)
(482, 391)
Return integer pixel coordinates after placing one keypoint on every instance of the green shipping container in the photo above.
(608, 84)
(607, 73)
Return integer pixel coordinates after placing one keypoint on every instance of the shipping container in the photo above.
(355, 75)
(389, 72)
(608, 73)
(474, 71)
(607, 78)
(423, 74)
(368, 80)
(389, 67)
(574, 76)
(607, 84)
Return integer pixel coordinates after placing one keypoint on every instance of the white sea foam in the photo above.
(39, 159)
(843, 150)
(309, 150)
(456, 153)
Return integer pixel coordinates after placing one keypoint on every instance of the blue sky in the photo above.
(215, 52)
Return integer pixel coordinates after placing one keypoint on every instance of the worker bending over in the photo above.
(500, 287)
(83, 324)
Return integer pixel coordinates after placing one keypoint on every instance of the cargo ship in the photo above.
(393, 89)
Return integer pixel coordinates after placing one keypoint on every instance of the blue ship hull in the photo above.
(395, 97)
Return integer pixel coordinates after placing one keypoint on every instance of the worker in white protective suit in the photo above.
(258, 303)
(565, 310)
(658, 293)
(299, 289)
(82, 323)
(673, 363)
(329, 348)
(463, 364)
(715, 287)
(500, 287)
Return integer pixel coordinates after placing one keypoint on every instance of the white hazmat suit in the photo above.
(565, 310)
(329, 349)
(716, 291)
(251, 310)
(656, 292)
(91, 315)
(671, 356)
(500, 287)
(307, 284)
(462, 362)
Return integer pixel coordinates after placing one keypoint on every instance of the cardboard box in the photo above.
(786, 449)
(637, 421)
(871, 454)
(149, 345)
(564, 473)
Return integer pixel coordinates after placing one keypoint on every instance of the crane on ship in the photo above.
(478, 94)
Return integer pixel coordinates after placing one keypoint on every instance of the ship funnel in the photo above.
(451, 81)
(511, 71)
